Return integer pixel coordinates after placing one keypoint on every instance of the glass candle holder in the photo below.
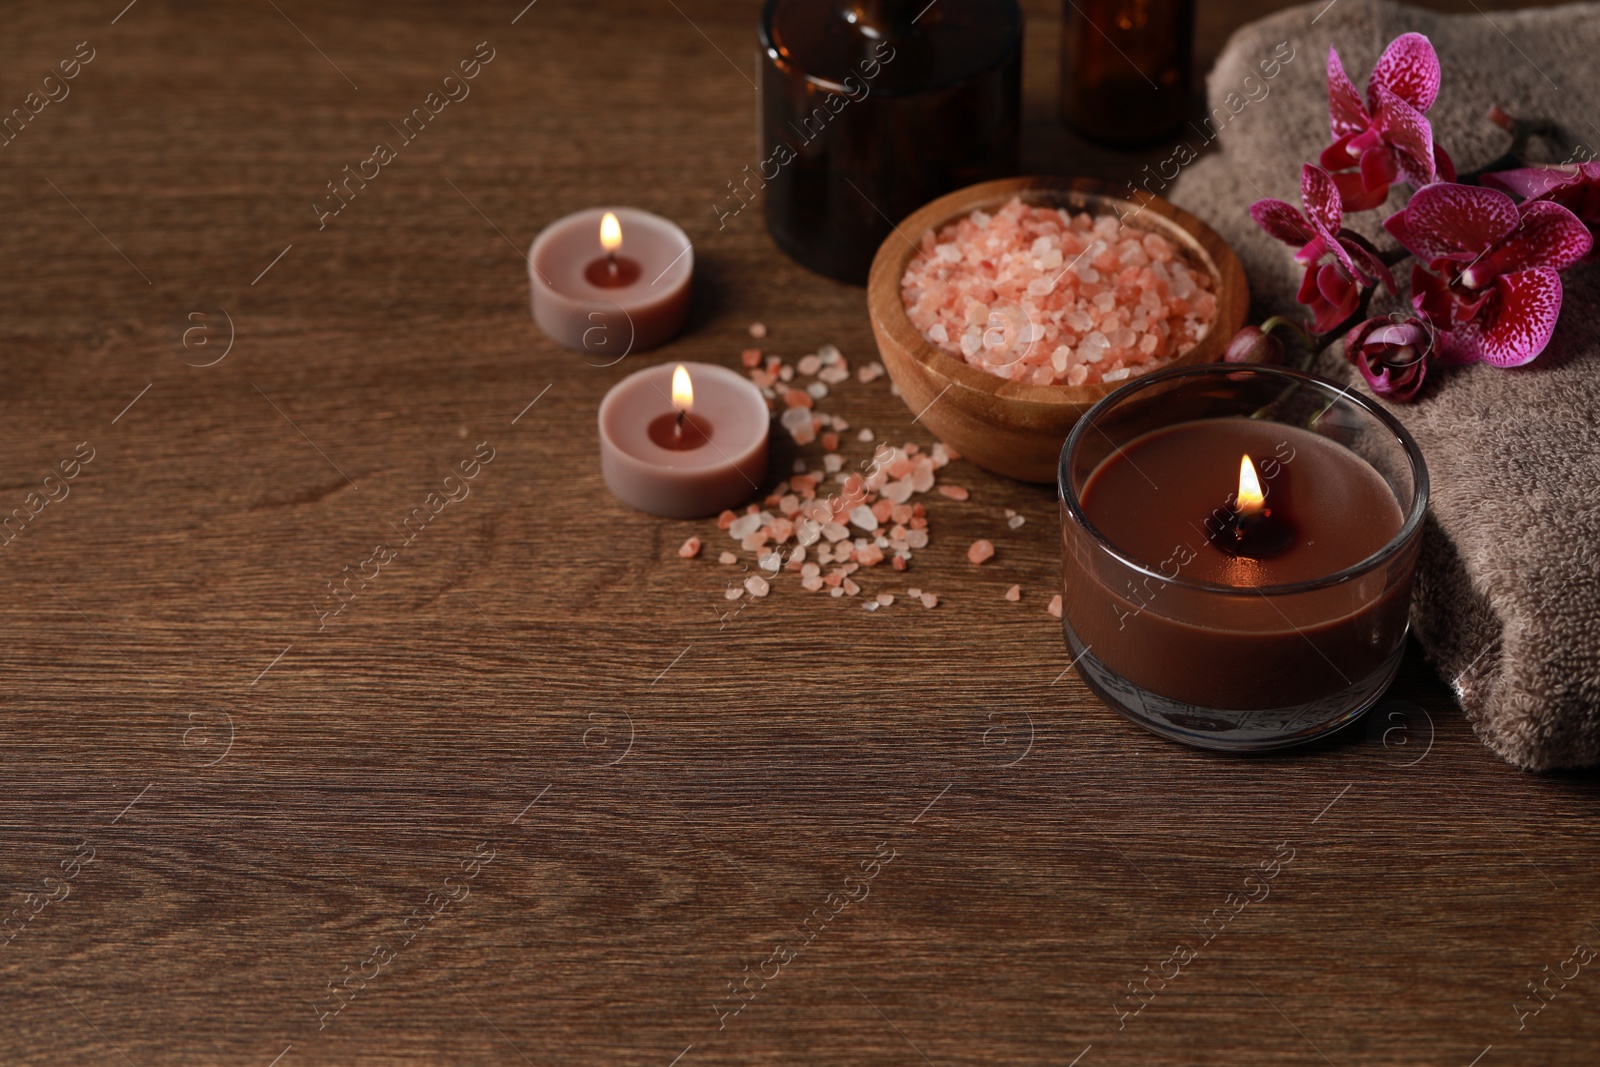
(872, 108)
(1126, 68)
(1230, 609)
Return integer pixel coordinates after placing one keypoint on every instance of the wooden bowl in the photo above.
(1013, 428)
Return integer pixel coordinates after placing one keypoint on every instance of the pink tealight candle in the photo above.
(611, 282)
(684, 441)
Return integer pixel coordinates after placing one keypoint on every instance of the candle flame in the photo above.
(1250, 499)
(682, 389)
(610, 233)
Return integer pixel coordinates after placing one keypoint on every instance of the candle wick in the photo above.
(611, 263)
(677, 427)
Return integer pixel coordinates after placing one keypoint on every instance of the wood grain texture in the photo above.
(668, 791)
(1017, 428)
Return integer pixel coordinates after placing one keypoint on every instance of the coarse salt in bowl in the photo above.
(998, 347)
(1041, 294)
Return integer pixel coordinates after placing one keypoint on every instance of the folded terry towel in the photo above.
(1508, 591)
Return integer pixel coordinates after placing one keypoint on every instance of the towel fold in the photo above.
(1507, 603)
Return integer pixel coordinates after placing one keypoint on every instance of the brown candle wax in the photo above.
(1213, 628)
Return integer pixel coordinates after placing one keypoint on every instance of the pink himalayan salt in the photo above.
(1055, 606)
(1042, 296)
(954, 492)
(727, 559)
(690, 549)
(980, 551)
(757, 330)
(1014, 594)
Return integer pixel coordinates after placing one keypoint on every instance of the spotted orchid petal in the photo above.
(1409, 69)
(1518, 325)
(1452, 221)
(1321, 198)
(1443, 165)
(1366, 260)
(1346, 114)
(1407, 134)
(1548, 235)
(1283, 222)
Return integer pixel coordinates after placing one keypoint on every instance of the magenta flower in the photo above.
(1485, 276)
(1339, 263)
(1376, 142)
(1392, 356)
(1575, 187)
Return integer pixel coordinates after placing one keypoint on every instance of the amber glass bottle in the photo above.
(1126, 68)
(872, 108)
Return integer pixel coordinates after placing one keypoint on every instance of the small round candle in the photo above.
(684, 449)
(611, 282)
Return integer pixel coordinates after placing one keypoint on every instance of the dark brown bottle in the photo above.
(872, 108)
(1126, 68)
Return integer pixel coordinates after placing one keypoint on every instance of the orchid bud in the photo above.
(1251, 345)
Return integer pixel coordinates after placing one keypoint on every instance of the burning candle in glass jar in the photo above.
(611, 282)
(684, 441)
(1238, 552)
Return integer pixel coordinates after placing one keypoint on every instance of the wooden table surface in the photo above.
(538, 794)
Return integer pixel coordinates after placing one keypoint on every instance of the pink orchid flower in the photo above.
(1388, 138)
(1392, 355)
(1575, 186)
(1490, 285)
(1338, 262)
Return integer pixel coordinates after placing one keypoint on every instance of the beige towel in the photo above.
(1508, 592)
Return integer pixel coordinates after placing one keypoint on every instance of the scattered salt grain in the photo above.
(929, 600)
(862, 517)
(980, 551)
(809, 365)
(727, 559)
(1014, 593)
(864, 435)
(1055, 606)
(954, 492)
(757, 330)
(757, 585)
(1015, 522)
(690, 549)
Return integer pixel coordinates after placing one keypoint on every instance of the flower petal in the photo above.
(1515, 326)
(1346, 114)
(1453, 221)
(1365, 257)
(1338, 156)
(1321, 198)
(1532, 182)
(1283, 222)
(1548, 236)
(1408, 68)
(1355, 195)
(1408, 134)
(1443, 164)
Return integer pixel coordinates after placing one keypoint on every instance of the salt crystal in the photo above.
(811, 583)
(917, 538)
(757, 330)
(786, 373)
(829, 354)
(772, 563)
(1015, 522)
(751, 357)
(757, 585)
(864, 435)
(833, 375)
(913, 593)
(818, 390)
(808, 365)
(886, 599)
(929, 600)
(980, 551)
(744, 526)
(1116, 375)
(862, 517)
(835, 532)
(832, 462)
(871, 605)
(838, 591)
(690, 549)
(1055, 606)
(733, 592)
(727, 559)
(850, 588)
(799, 466)
(954, 492)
